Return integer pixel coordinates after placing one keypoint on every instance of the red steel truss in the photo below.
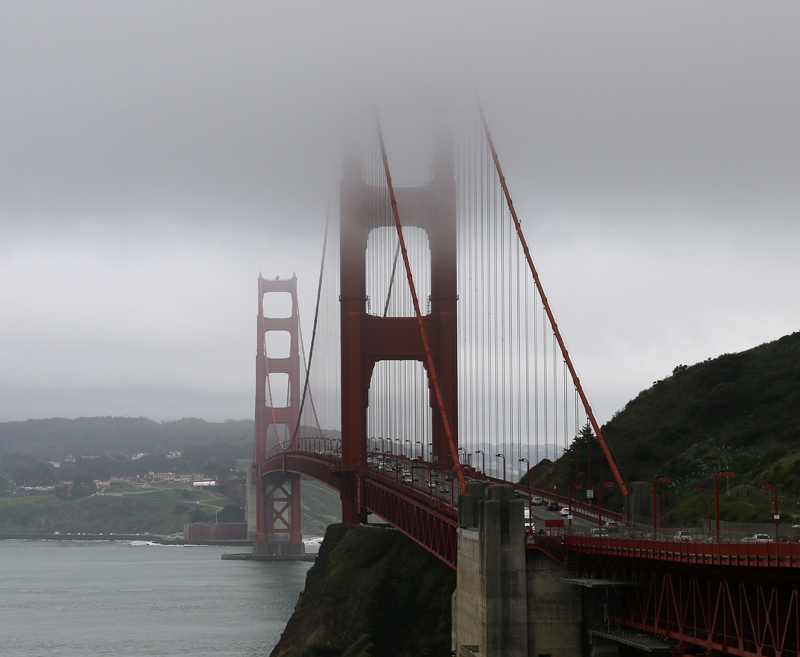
(282, 507)
(737, 598)
(734, 610)
(733, 614)
(431, 523)
(433, 527)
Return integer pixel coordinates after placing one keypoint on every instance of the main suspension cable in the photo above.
(316, 317)
(422, 331)
(557, 334)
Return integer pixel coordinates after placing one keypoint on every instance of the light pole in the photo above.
(569, 503)
(527, 470)
(600, 487)
(720, 473)
(483, 461)
(502, 456)
(655, 506)
(530, 495)
(709, 508)
(776, 516)
(555, 467)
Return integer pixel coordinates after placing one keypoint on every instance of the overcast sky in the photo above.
(156, 156)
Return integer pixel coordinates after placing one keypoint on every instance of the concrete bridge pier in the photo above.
(507, 601)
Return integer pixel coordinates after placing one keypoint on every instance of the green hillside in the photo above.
(738, 412)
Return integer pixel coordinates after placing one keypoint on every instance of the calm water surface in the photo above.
(133, 599)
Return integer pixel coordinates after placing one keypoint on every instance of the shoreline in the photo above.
(152, 538)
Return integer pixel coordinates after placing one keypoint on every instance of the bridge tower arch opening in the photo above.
(400, 411)
(369, 336)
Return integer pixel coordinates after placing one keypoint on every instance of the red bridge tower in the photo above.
(368, 339)
(278, 530)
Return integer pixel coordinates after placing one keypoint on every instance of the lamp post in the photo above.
(569, 503)
(720, 473)
(709, 507)
(600, 487)
(502, 456)
(776, 516)
(555, 467)
(655, 506)
(530, 495)
(483, 461)
(527, 470)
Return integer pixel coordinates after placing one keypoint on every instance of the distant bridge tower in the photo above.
(368, 338)
(278, 530)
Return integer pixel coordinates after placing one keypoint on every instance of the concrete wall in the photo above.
(555, 610)
(211, 531)
(507, 602)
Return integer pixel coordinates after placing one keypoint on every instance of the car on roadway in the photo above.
(683, 535)
(564, 511)
(757, 538)
(536, 500)
(444, 489)
(599, 531)
(553, 506)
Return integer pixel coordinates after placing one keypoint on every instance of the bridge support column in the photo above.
(281, 519)
(507, 602)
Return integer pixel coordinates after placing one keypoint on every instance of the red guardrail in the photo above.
(760, 555)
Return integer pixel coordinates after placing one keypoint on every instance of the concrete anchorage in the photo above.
(507, 602)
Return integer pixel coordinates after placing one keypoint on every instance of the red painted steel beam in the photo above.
(430, 523)
(727, 555)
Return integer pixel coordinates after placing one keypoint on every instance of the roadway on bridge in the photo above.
(439, 484)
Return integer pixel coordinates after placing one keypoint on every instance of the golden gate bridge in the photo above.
(436, 364)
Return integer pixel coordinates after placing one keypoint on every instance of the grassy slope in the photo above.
(162, 511)
(371, 591)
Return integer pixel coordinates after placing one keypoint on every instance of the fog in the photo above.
(155, 157)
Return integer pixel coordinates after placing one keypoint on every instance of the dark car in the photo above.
(553, 506)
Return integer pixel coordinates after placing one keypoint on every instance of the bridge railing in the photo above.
(772, 554)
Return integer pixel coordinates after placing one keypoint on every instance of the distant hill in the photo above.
(739, 412)
(57, 438)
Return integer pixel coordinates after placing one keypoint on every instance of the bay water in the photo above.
(133, 598)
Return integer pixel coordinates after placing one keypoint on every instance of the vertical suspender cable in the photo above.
(603, 444)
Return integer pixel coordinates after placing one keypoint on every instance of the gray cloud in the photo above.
(154, 157)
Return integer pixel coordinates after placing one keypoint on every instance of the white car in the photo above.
(683, 535)
(536, 500)
(564, 511)
(757, 538)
